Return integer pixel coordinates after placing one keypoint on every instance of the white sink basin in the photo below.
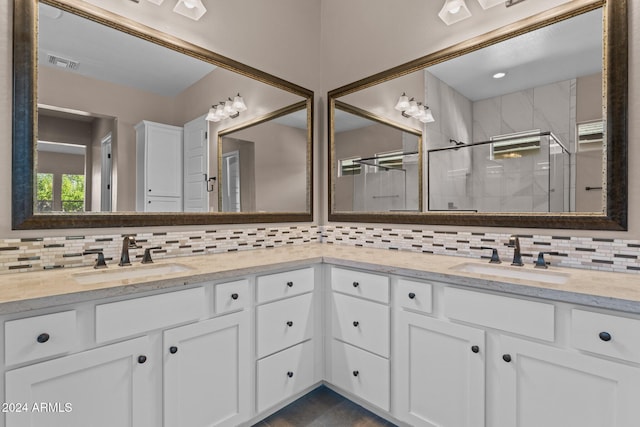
(123, 273)
(509, 272)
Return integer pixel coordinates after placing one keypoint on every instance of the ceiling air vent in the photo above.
(58, 61)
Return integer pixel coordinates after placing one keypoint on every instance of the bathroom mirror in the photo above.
(543, 146)
(379, 163)
(262, 164)
(88, 116)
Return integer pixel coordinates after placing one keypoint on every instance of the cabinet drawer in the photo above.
(284, 323)
(124, 318)
(361, 373)
(281, 285)
(524, 317)
(413, 295)
(365, 285)
(362, 323)
(285, 374)
(231, 296)
(606, 334)
(41, 336)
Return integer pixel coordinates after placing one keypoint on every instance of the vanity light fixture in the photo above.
(411, 108)
(486, 4)
(454, 11)
(193, 9)
(229, 109)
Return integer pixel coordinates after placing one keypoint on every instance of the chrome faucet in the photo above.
(514, 243)
(128, 242)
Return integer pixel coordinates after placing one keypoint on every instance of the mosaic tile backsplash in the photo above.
(29, 254)
(576, 252)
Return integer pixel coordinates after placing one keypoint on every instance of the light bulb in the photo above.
(189, 4)
(454, 6)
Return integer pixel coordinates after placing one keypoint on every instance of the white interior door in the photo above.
(196, 165)
(231, 182)
(105, 175)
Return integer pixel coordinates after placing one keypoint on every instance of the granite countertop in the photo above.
(34, 290)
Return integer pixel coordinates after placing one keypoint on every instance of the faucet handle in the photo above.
(146, 258)
(100, 261)
(495, 258)
(540, 262)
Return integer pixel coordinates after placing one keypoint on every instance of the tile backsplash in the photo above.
(577, 252)
(29, 254)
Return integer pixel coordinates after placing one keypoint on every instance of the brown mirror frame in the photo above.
(615, 82)
(24, 119)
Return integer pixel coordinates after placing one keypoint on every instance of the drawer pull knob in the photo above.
(605, 336)
(142, 359)
(356, 373)
(475, 348)
(289, 323)
(506, 358)
(234, 296)
(43, 338)
(412, 295)
(173, 349)
(356, 284)
(290, 374)
(290, 284)
(356, 323)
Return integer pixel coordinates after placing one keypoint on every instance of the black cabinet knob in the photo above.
(356, 373)
(356, 284)
(412, 295)
(475, 348)
(506, 358)
(149, 190)
(42, 338)
(605, 336)
(290, 374)
(356, 323)
(173, 349)
(234, 296)
(289, 323)
(290, 284)
(142, 359)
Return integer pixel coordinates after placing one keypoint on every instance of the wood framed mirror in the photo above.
(94, 125)
(522, 168)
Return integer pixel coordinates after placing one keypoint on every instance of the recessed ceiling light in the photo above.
(499, 75)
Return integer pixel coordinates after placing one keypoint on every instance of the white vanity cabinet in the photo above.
(104, 387)
(440, 372)
(358, 359)
(158, 167)
(207, 372)
(285, 342)
(540, 385)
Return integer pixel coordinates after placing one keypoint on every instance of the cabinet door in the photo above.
(164, 161)
(551, 387)
(105, 387)
(206, 372)
(441, 372)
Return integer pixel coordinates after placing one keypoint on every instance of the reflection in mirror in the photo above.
(378, 163)
(122, 120)
(520, 125)
(263, 164)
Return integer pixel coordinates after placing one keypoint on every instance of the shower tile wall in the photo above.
(548, 108)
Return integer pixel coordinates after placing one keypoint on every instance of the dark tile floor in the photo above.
(323, 407)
